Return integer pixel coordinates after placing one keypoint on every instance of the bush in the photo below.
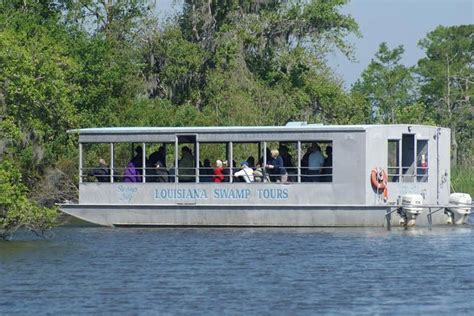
(16, 210)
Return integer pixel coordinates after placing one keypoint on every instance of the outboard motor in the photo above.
(458, 214)
(410, 209)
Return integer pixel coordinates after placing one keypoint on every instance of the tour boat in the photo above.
(378, 175)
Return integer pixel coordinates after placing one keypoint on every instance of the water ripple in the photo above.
(84, 270)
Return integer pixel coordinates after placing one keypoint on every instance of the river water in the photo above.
(84, 270)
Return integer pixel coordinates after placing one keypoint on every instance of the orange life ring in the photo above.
(379, 180)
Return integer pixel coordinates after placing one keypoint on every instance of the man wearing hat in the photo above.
(245, 172)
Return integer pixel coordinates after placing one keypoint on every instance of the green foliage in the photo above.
(248, 63)
(447, 75)
(388, 86)
(414, 114)
(437, 92)
(36, 85)
(67, 64)
(108, 80)
(16, 210)
(462, 179)
(118, 19)
(173, 66)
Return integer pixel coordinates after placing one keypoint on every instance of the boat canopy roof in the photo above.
(291, 131)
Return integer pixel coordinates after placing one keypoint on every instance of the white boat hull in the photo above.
(241, 215)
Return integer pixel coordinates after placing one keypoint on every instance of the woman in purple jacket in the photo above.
(131, 174)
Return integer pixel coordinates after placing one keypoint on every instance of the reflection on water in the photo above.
(251, 271)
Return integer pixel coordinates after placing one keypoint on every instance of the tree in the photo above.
(79, 63)
(447, 77)
(37, 106)
(117, 19)
(37, 87)
(388, 86)
(174, 66)
(252, 62)
(16, 209)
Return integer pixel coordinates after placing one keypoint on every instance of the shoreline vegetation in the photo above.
(462, 179)
(76, 64)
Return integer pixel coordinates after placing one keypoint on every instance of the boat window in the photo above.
(128, 162)
(209, 154)
(187, 161)
(289, 154)
(186, 154)
(232, 154)
(95, 162)
(422, 160)
(249, 152)
(316, 161)
(159, 165)
(408, 171)
(393, 164)
(408, 157)
(252, 153)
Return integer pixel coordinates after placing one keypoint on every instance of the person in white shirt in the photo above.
(245, 172)
(315, 162)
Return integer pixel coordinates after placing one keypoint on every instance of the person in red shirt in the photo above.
(218, 172)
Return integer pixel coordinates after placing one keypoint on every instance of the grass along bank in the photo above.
(462, 179)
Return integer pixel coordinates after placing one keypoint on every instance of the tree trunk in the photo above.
(454, 146)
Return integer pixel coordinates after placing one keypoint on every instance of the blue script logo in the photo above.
(126, 193)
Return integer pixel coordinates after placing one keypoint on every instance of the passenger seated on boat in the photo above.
(218, 172)
(251, 161)
(101, 173)
(156, 173)
(327, 170)
(245, 174)
(276, 169)
(315, 162)
(260, 175)
(150, 170)
(304, 165)
(156, 156)
(226, 171)
(137, 160)
(269, 157)
(151, 162)
(288, 162)
(186, 171)
(285, 155)
(230, 171)
(171, 173)
(206, 172)
(161, 173)
(131, 174)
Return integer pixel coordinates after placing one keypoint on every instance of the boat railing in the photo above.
(407, 174)
(205, 174)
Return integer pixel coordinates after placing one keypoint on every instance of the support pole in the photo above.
(111, 162)
(438, 132)
(197, 162)
(299, 161)
(143, 162)
(176, 148)
(80, 162)
(416, 158)
(231, 162)
(400, 164)
(388, 215)
(264, 167)
(166, 152)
